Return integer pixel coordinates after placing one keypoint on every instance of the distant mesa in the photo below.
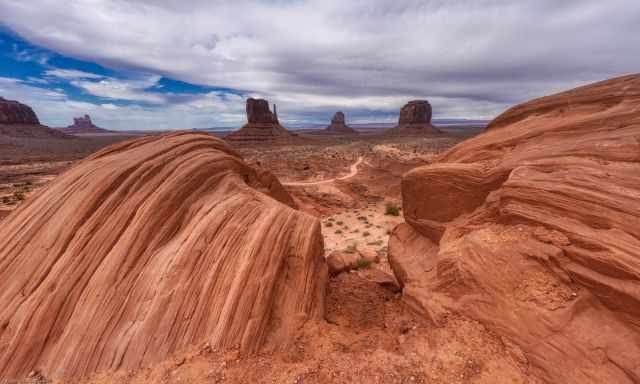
(262, 125)
(83, 125)
(19, 120)
(415, 118)
(338, 125)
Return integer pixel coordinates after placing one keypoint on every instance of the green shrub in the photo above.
(392, 210)
(364, 263)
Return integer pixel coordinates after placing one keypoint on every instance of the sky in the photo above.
(178, 64)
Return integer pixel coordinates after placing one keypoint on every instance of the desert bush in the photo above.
(392, 210)
(18, 195)
(339, 222)
(365, 233)
(364, 263)
(328, 224)
(338, 231)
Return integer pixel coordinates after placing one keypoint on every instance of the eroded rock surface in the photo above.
(338, 125)
(150, 246)
(415, 118)
(262, 125)
(532, 229)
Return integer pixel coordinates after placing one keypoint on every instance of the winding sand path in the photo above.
(352, 172)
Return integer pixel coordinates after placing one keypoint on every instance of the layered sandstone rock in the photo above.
(415, 118)
(83, 125)
(262, 125)
(19, 120)
(339, 126)
(150, 246)
(532, 229)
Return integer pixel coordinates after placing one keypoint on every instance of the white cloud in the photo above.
(470, 58)
(55, 109)
(119, 89)
(71, 74)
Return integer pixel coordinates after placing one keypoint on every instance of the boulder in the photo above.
(341, 261)
(149, 247)
(531, 228)
(415, 118)
(338, 125)
(262, 125)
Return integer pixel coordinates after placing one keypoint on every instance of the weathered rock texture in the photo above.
(150, 246)
(338, 125)
(415, 118)
(19, 120)
(82, 125)
(533, 229)
(262, 125)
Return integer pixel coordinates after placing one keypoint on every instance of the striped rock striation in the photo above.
(532, 228)
(150, 246)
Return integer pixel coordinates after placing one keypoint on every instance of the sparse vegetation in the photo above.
(392, 210)
(363, 218)
(365, 233)
(18, 195)
(338, 231)
(377, 242)
(328, 224)
(364, 263)
(339, 222)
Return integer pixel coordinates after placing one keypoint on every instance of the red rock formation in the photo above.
(19, 120)
(533, 229)
(415, 118)
(13, 112)
(338, 125)
(262, 125)
(150, 246)
(83, 125)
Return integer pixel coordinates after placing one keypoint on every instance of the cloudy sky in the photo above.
(171, 64)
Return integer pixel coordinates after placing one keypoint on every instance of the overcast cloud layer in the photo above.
(471, 59)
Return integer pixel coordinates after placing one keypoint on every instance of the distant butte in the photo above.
(415, 118)
(262, 125)
(83, 125)
(338, 125)
(19, 120)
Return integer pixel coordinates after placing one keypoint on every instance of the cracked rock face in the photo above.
(532, 229)
(148, 247)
